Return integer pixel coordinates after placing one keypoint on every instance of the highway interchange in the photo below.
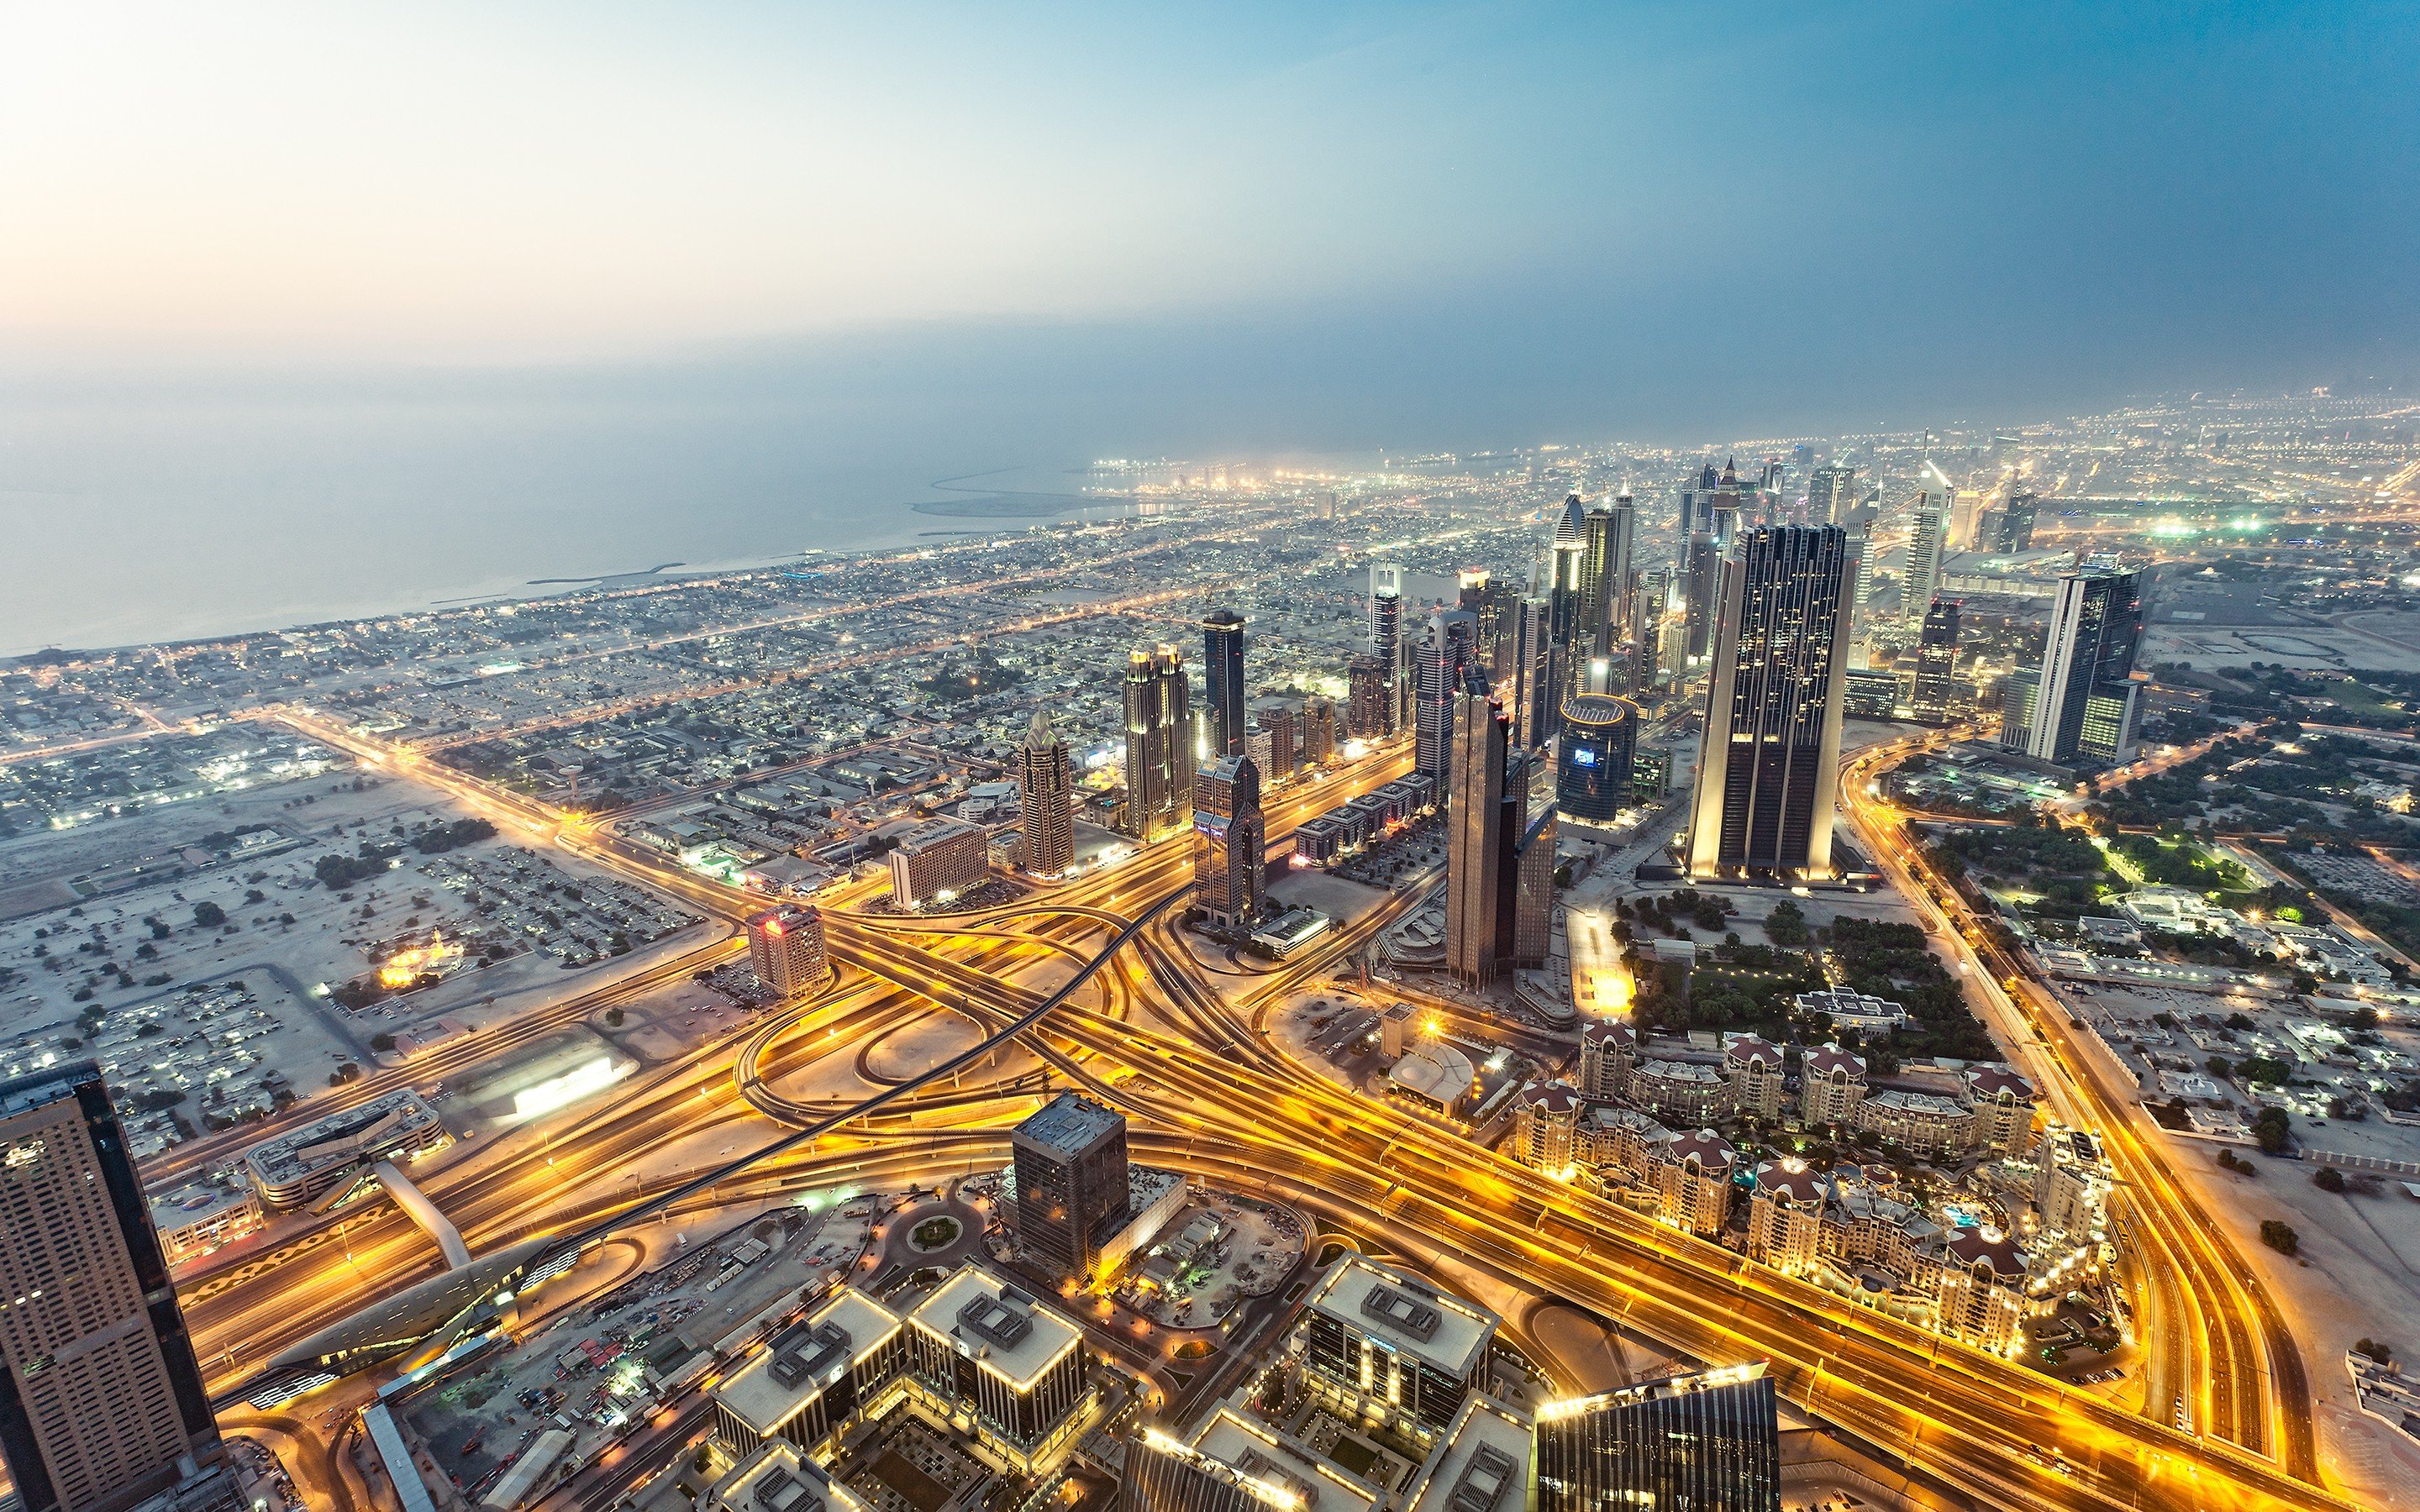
(1182, 1048)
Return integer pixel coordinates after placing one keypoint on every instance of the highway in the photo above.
(1176, 1047)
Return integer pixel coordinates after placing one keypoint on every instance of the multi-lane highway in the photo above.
(1174, 1042)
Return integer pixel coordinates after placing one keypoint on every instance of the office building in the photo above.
(1872, 695)
(1369, 698)
(1159, 744)
(1378, 1345)
(1045, 782)
(938, 861)
(1474, 846)
(1703, 575)
(1535, 681)
(1222, 684)
(2079, 706)
(1926, 541)
(1445, 659)
(1936, 663)
(1709, 1443)
(1072, 1183)
(1567, 569)
(1164, 1474)
(1001, 1366)
(1389, 644)
(102, 1404)
(816, 1379)
(1831, 494)
(2014, 524)
(1319, 731)
(786, 947)
(1592, 762)
(1531, 883)
(1230, 869)
(1481, 1465)
(1769, 766)
(1604, 576)
(774, 1477)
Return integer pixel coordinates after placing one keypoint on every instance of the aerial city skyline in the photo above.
(1334, 759)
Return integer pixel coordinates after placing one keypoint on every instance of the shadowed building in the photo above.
(1475, 843)
(786, 947)
(1230, 864)
(1770, 763)
(1222, 682)
(1936, 663)
(102, 1405)
(1046, 797)
(1072, 1182)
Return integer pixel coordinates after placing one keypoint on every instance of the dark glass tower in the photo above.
(2016, 531)
(2083, 697)
(1936, 662)
(1222, 682)
(1592, 764)
(1768, 770)
(1709, 1443)
(1071, 1183)
(1444, 659)
(101, 1396)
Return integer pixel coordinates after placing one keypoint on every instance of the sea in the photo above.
(167, 511)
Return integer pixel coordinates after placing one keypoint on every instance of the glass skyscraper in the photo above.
(1709, 1443)
(1223, 683)
(1768, 771)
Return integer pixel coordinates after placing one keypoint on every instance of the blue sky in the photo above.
(1256, 225)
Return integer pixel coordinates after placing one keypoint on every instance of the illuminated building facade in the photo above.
(1000, 1368)
(1387, 1348)
(785, 949)
(1709, 1443)
(1444, 662)
(1159, 744)
(1046, 781)
(1936, 663)
(102, 1403)
(2080, 705)
(1072, 1183)
(1474, 875)
(1927, 541)
(939, 860)
(1230, 864)
(1770, 763)
(1223, 683)
(815, 1379)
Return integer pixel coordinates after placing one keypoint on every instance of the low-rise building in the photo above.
(2003, 1109)
(1608, 1050)
(1693, 1174)
(1387, 1348)
(816, 1379)
(294, 1167)
(1545, 1127)
(1000, 1367)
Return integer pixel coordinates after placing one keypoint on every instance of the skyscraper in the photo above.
(1831, 493)
(1474, 855)
(1533, 687)
(2080, 705)
(1924, 542)
(1442, 660)
(1936, 663)
(1159, 744)
(1072, 1189)
(1047, 787)
(101, 1402)
(786, 947)
(1604, 575)
(1768, 770)
(1709, 1441)
(1369, 697)
(1532, 885)
(2016, 522)
(1229, 859)
(1703, 567)
(1387, 647)
(1593, 762)
(1223, 683)
(1568, 567)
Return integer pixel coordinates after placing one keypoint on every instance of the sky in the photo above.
(1180, 228)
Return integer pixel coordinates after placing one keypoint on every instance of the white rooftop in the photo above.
(1407, 1314)
(757, 1393)
(986, 1319)
(1482, 1465)
(1265, 1455)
